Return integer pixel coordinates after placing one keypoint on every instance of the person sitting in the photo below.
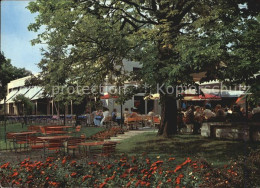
(133, 113)
(256, 110)
(105, 115)
(114, 115)
(197, 119)
(256, 113)
(151, 113)
(237, 115)
(220, 113)
(126, 113)
(190, 118)
(98, 117)
(208, 114)
(198, 114)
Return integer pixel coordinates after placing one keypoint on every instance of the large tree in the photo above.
(8, 72)
(171, 38)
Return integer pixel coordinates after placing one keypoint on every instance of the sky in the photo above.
(15, 37)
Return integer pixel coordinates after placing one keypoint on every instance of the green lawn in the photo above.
(218, 152)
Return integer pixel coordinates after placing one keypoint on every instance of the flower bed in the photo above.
(121, 172)
(108, 133)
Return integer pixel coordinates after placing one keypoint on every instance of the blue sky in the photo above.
(15, 37)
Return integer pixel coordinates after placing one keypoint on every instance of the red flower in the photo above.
(171, 159)
(15, 174)
(157, 163)
(73, 174)
(147, 184)
(169, 180)
(55, 184)
(123, 175)
(73, 163)
(64, 160)
(137, 183)
(5, 165)
(178, 180)
(102, 185)
(86, 177)
(128, 184)
(177, 168)
(15, 182)
(109, 166)
(143, 183)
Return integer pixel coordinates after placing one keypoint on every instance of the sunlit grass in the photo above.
(218, 152)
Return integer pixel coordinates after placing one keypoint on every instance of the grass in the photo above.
(215, 151)
(89, 131)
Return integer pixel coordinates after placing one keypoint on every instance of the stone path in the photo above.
(131, 133)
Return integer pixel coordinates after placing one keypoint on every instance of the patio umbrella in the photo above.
(241, 100)
(108, 96)
(206, 96)
(155, 96)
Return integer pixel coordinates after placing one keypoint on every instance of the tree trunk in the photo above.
(168, 126)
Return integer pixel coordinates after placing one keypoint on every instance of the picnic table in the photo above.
(19, 137)
(22, 133)
(56, 129)
(59, 127)
(62, 138)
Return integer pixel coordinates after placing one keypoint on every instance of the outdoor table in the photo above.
(15, 134)
(22, 133)
(49, 138)
(60, 127)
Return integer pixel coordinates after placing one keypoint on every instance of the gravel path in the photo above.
(130, 134)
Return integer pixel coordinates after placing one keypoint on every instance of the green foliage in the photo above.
(8, 72)
(88, 40)
(26, 103)
(172, 39)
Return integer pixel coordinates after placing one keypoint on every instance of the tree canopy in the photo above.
(8, 72)
(27, 105)
(88, 39)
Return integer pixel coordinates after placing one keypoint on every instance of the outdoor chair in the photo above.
(21, 140)
(156, 122)
(10, 140)
(73, 144)
(36, 143)
(55, 145)
(130, 122)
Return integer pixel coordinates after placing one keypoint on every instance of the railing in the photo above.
(47, 119)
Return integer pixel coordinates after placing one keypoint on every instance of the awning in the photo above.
(207, 97)
(38, 95)
(201, 97)
(9, 96)
(22, 91)
(241, 100)
(32, 92)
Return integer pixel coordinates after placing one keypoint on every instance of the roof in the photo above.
(10, 96)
